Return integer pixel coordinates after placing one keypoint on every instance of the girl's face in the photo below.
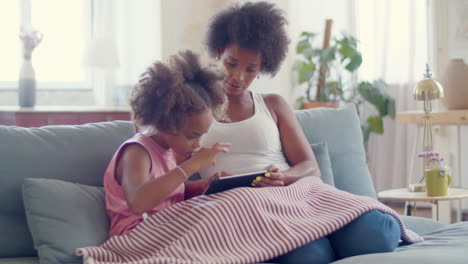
(188, 139)
(242, 66)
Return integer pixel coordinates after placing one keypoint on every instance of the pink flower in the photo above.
(433, 158)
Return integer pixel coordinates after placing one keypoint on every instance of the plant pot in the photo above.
(455, 83)
(315, 104)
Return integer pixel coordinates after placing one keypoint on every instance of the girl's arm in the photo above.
(295, 145)
(142, 193)
(193, 188)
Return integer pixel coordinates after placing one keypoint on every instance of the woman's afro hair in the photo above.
(169, 93)
(258, 26)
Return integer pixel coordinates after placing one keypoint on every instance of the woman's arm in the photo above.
(295, 145)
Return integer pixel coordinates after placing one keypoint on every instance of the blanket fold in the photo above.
(243, 225)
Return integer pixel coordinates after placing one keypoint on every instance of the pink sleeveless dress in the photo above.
(122, 220)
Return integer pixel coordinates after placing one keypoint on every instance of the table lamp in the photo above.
(426, 90)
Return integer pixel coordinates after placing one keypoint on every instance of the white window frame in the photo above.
(86, 85)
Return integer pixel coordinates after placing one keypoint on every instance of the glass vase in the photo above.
(27, 85)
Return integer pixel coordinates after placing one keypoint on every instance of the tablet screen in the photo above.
(234, 181)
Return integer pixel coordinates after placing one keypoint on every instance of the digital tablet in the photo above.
(234, 181)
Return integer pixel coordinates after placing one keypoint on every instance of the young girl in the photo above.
(147, 173)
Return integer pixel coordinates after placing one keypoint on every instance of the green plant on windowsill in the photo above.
(331, 73)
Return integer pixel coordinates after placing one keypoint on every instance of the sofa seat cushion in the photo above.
(420, 225)
(448, 244)
(63, 216)
(33, 260)
(15, 225)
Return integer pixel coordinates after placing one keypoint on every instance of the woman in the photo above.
(269, 121)
(250, 40)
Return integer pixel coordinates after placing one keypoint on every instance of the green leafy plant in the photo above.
(330, 75)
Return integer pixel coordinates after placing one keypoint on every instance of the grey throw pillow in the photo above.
(341, 130)
(63, 216)
(323, 159)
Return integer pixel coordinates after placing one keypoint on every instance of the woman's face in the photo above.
(242, 66)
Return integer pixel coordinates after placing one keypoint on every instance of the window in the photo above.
(10, 47)
(65, 25)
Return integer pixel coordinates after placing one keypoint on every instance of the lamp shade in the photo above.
(428, 88)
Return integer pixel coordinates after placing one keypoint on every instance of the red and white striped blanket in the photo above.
(243, 225)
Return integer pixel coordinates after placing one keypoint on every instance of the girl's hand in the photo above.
(206, 182)
(272, 178)
(205, 157)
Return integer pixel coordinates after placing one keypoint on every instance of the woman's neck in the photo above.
(244, 98)
(240, 107)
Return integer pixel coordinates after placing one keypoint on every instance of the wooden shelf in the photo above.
(56, 115)
(449, 117)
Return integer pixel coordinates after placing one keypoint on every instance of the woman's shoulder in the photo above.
(275, 102)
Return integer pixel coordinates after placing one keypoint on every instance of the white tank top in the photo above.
(255, 143)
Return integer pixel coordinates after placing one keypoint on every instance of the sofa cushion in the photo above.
(323, 160)
(73, 153)
(420, 225)
(64, 216)
(15, 226)
(341, 130)
(33, 260)
(447, 244)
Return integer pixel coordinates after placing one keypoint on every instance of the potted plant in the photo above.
(329, 77)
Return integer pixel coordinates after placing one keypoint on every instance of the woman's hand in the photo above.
(272, 178)
(205, 157)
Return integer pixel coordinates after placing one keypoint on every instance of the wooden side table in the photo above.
(405, 195)
(455, 118)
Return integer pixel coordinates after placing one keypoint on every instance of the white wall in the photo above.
(183, 26)
(184, 22)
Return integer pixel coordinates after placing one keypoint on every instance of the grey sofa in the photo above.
(51, 199)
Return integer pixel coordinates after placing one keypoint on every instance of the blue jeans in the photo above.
(372, 232)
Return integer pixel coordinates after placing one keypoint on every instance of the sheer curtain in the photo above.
(126, 40)
(393, 39)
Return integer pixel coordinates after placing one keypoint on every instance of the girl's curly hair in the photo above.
(169, 93)
(258, 26)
